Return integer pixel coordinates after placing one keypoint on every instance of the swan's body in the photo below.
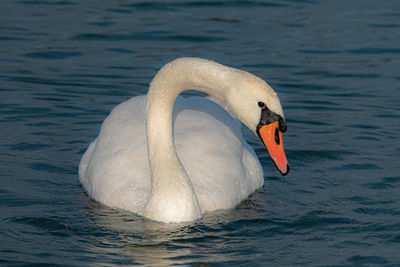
(209, 144)
(173, 164)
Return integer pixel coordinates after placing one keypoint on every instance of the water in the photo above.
(334, 64)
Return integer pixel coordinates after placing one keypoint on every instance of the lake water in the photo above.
(64, 64)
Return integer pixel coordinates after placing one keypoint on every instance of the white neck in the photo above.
(172, 197)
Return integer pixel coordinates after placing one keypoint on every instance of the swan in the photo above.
(171, 159)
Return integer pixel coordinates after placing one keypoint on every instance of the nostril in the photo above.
(277, 140)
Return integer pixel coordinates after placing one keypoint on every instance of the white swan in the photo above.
(174, 164)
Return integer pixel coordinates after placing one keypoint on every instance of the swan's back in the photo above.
(222, 167)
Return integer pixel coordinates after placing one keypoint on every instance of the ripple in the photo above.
(225, 20)
(308, 122)
(112, 37)
(269, 65)
(310, 51)
(364, 126)
(236, 3)
(151, 5)
(366, 166)
(51, 168)
(53, 54)
(160, 36)
(9, 38)
(376, 211)
(52, 224)
(362, 260)
(121, 50)
(394, 179)
(28, 146)
(375, 50)
(395, 239)
(317, 219)
(49, 3)
(196, 38)
(378, 186)
(316, 155)
(369, 202)
(202, 4)
(387, 115)
(385, 25)
(329, 74)
(308, 87)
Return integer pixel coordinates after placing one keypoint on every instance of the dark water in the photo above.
(334, 64)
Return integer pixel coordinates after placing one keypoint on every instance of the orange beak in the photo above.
(272, 139)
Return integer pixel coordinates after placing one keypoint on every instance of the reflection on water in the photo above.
(158, 244)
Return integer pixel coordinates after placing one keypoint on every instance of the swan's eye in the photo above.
(261, 104)
(282, 125)
(277, 136)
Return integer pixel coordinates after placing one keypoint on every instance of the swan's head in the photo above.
(256, 104)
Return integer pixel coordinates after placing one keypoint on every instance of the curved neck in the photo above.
(174, 78)
(168, 176)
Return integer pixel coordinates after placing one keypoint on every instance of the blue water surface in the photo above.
(64, 64)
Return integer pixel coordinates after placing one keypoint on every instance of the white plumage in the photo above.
(222, 167)
(213, 167)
